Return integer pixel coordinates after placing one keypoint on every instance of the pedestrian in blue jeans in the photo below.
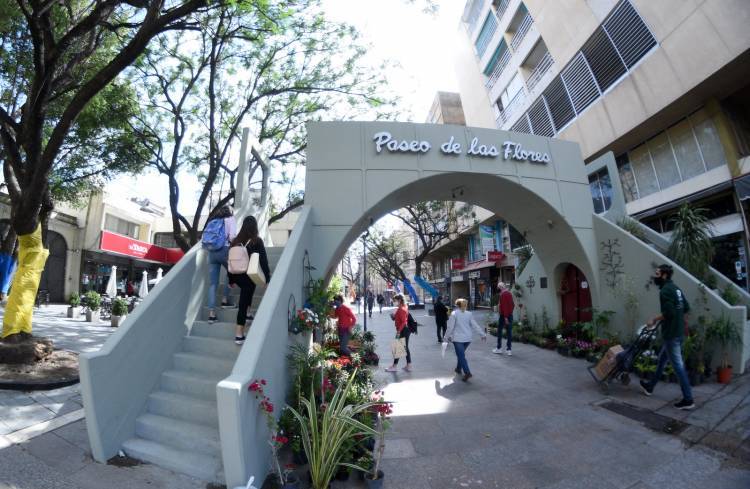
(460, 328)
(217, 259)
(674, 306)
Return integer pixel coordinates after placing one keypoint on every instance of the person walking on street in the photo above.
(401, 319)
(249, 238)
(219, 231)
(505, 319)
(370, 302)
(462, 324)
(381, 300)
(674, 307)
(359, 303)
(441, 318)
(345, 323)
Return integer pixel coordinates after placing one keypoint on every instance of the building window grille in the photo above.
(473, 17)
(521, 30)
(485, 34)
(580, 83)
(497, 64)
(601, 191)
(560, 107)
(601, 55)
(539, 71)
(629, 33)
(540, 121)
(522, 125)
(501, 6)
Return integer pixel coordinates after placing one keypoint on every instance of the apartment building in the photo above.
(662, 85)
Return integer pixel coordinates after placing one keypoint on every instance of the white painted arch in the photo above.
(349, 185)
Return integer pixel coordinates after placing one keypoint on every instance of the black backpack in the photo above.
(412, 324)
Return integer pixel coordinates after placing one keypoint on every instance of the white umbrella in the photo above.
(143, 291)
(111, 289)
(158, 278)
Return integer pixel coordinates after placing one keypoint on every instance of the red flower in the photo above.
(263, 381)
(281, 439)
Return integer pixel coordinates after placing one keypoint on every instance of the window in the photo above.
(601, 191)
(165, 240)
(514, 88)
(500, 7)
(708, 140)
(121, 226)
(474, 11)
(502, 49)
(580, 83)
(539, 119)
(629, 33)
(605, 63)
(522, 125)
(664, 163)
(485, 34)
(627, 178)
(559, 104)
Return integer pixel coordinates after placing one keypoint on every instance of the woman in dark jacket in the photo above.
(247, 236)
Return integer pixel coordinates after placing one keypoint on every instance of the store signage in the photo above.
(510, 150)
(476, 274)
(495, 256)
(123, 245)
(457, 263)
(457, 278)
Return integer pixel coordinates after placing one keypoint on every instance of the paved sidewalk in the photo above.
(534, 420)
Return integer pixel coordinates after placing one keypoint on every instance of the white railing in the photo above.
(538, 72)
(243, 431)
(501, 9)
(485, 35)
(507, 112)
(474, 11)
(498, 70)
(521, 31)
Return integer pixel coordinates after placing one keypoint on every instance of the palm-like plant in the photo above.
(691, 245)
(325, 431)
(524, 254)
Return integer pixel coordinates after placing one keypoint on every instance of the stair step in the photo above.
(185, 408)
(198, 465)
(175, 433)
(215, 347)
(227, 314)
(194, 384)
(194, 362)
(219, 330)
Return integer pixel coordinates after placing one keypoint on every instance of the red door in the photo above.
(576, 296)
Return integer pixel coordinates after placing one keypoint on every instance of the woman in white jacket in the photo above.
(460, 333)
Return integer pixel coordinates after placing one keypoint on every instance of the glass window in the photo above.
(627, 178)
(600, 186)
(644, 172)
(121, 226)
(514, 88)
(664, 162)
(605, 184)
(708, 138)
(596, 194)
(686, 150)
(501, 48)
(165, 240)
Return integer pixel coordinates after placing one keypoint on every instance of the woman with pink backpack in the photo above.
(238, 262)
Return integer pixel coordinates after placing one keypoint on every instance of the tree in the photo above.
(271, 69)
(387, 255)
(691, 246)
(432, 222)
(77, 50)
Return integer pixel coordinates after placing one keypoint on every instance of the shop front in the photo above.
(131, 257)
(482, 277)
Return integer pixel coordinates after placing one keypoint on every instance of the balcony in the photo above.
(506, 113)
(538, 72)
(501, 6)
(498, 70)
(521, 31)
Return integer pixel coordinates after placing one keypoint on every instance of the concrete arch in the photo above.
(549, 201)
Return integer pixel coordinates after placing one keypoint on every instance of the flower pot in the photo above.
(92, 316)
(375, 483)
(117, 320)
(724, 375)
(73, 312)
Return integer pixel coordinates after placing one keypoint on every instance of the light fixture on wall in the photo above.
(550, 223)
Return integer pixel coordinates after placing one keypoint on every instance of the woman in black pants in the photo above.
(248, 237)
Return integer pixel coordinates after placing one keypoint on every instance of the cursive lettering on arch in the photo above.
(384, 139)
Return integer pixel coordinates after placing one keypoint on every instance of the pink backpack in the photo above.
(238, 259)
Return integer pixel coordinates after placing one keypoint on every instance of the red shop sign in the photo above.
(495, 256)
(457, 263)
(123, 245)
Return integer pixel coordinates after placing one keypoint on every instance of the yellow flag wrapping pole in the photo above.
(20, 308)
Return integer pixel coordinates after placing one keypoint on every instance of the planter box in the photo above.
(74, 312)
(92, 316)
(117, 321)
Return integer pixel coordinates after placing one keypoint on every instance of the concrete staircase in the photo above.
(179, 427)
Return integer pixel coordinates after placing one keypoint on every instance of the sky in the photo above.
(421, 44)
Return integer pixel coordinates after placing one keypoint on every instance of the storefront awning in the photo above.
(123, 245)
(478, 265)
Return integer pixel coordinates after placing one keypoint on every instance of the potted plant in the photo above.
(374, 478)
(93, 303)
(73, 303)
(119, 311)
(723, 332)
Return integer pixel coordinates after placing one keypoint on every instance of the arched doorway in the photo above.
(575, 295)
(53, 276)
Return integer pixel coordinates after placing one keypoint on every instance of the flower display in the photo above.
(307, 319)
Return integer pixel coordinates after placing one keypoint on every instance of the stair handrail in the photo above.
(243, 431)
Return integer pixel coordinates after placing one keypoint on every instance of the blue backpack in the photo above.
(214, 237)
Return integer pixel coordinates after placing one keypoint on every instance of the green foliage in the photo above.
(119, 307)
(74, 300)
(93, 300)
(633, 227)
(691, 246)
(723, 332)
(730, 295)
(320, 297)
(711, 281)
(524, 254)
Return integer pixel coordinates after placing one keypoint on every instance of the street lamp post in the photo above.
(364, 272)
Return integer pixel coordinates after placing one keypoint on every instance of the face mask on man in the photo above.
(658, 280)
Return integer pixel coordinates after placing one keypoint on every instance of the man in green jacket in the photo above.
(674, 306)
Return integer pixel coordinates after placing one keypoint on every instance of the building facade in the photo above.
(662, 85)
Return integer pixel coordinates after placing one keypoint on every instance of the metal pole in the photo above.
(364, 273)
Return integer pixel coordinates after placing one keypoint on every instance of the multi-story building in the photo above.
(447, 109)
(661, 84)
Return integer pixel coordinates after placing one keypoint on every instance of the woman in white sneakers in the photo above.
(460, 328)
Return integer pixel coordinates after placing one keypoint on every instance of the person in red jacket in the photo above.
(505, 319)
(345, 321)
(401, 320)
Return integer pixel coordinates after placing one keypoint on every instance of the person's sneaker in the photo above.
(392, 369)
(497, 351)
(457, 370)
(466, 377)
(226, 305)
(648, 390)
(406, 369)
(212, 319)
(509, 353)
(686, 405)
(238, 340)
